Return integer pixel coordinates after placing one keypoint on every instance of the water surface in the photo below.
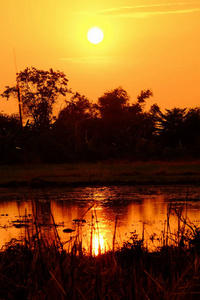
(123, 211)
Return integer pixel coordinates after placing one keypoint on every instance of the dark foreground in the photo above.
(35, 269)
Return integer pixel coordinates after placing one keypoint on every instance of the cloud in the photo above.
(141, 11)
(145, 14)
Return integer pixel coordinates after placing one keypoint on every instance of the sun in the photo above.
(95, 35)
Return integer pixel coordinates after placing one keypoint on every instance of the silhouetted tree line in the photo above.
(83, 131)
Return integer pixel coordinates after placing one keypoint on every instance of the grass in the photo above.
(42, 271)
(104, 173)
(37, 268)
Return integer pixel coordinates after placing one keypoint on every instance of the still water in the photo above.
(107, 214)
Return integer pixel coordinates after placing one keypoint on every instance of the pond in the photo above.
(104, 217)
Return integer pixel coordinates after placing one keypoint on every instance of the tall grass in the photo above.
(38, 268)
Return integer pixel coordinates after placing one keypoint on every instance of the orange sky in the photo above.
(148, 44)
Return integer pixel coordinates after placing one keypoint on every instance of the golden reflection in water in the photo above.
(96, 231)
(146, 217)
(11, 211)
(98, 245)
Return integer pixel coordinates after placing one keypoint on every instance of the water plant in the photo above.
(38, 268)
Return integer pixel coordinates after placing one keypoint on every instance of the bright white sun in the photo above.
(95, 35)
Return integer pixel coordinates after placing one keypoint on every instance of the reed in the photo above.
(36, 268)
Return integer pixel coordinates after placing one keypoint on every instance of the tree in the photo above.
(144, 95)
(191, 132)
(192, 125)
(171, 132)
(172, 126)
(112, 103)
(140, 122)
(10, 139)
(77, 109)
(123, 126)
(75, 123)
(38, 91)
(112, 106)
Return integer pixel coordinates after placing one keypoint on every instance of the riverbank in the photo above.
(102, 173)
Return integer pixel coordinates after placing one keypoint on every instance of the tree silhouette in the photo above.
(112, 103)
(75, 123)
(77, 109)
(144, 95)
(39, 90)
(10, 139)
(124, 127)
(140, 123)
(112, 106)
(172, 126)
(113, 128)
(191, 132)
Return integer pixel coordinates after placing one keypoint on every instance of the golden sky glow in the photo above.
(147, 45)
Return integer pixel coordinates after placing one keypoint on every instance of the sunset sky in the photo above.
(148, 44)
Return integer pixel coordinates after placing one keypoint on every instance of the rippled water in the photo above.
(140, 210)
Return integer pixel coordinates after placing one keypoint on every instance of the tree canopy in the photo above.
(113, 102)
(113, 128)
(38, 91)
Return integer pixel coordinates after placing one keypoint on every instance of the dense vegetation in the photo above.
(113, 128)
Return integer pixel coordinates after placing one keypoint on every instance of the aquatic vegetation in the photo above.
(38, 268)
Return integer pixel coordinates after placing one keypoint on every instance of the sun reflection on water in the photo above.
(98, 245)
(96, 208)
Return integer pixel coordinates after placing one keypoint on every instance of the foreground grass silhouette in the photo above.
(39, 269)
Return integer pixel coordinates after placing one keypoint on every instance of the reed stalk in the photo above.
(114, 235)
